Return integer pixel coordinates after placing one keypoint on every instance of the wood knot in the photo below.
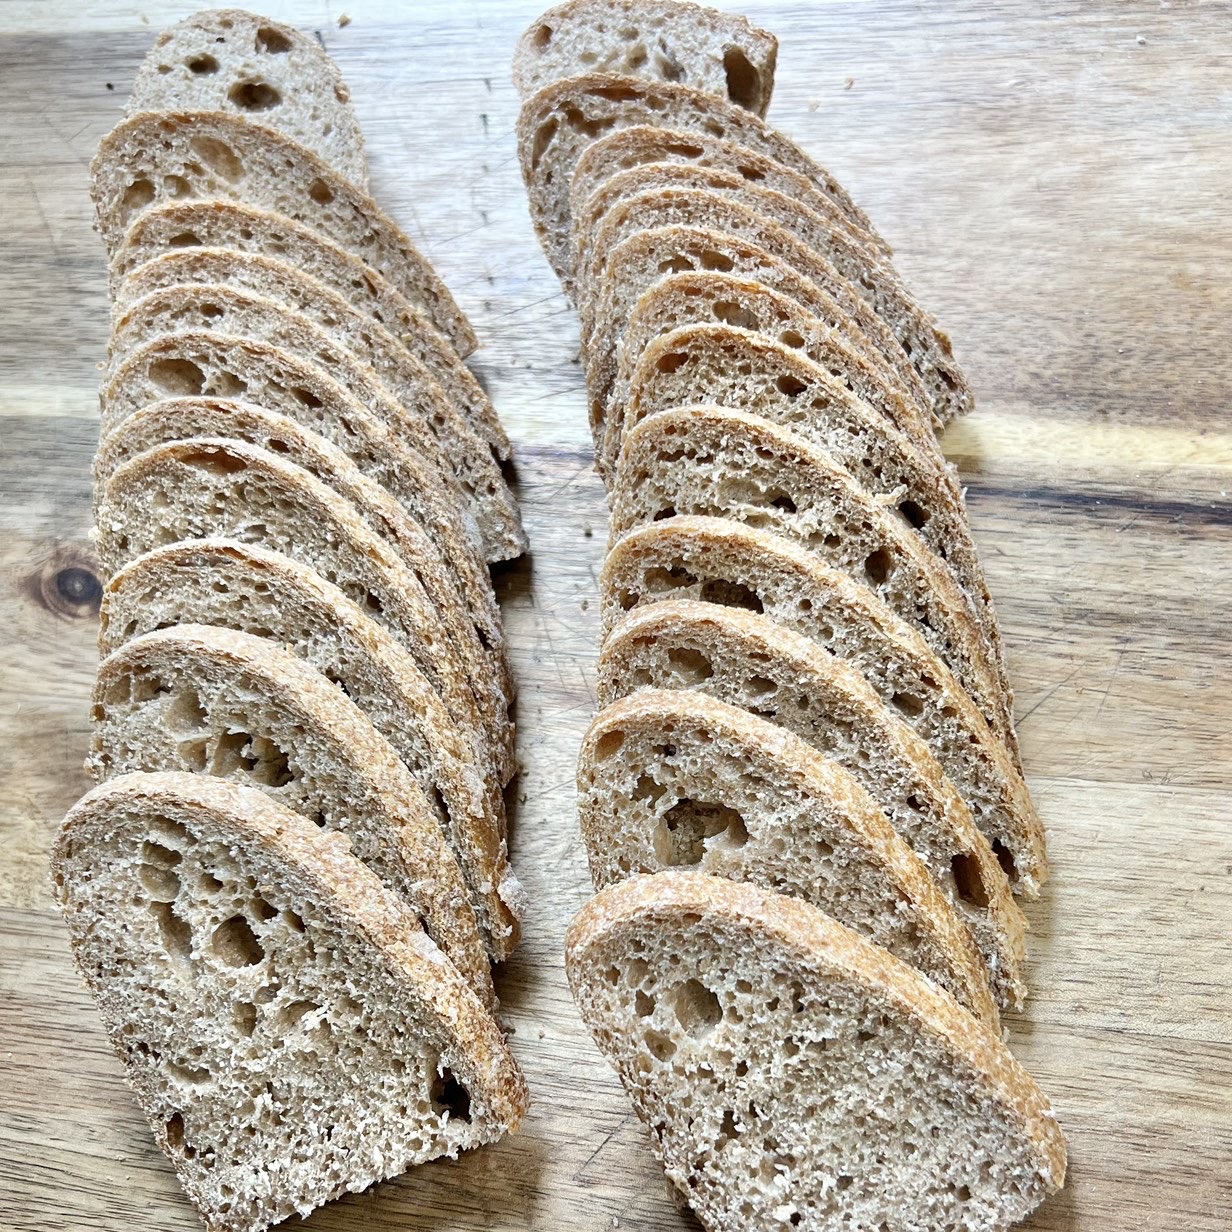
(67, 584)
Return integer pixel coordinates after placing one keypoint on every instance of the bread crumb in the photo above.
(344, 21)
(1141, 40)
(851, 81)
(814, 103)
(542, 1033)
(588, 531)
(585, 605)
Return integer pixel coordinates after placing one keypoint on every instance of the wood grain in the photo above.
(1055, 179)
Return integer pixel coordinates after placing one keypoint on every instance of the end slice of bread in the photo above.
(288, 1030)
(233, 61)
(217, 702)
(667, 40)
(675, 779)
(793, 1074)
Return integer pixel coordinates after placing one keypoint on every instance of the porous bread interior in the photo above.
(162, 705)
(281, 1059)
(699, 47)
(739, 467)
(677, 789)
(780, 1095)
(269, 72)
(718, 562)
(832, 709)
(154, 158)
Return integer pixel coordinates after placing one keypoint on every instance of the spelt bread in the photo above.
(792, 1074)
(196, 362)
(482, 658)
(413, 401)
(667, 207)
(713, 462)
(419, 349)
(156, 157)
(716, 561)
(924, 350)
(211, 487)
(558, 123)
(739, 367)
(745, 660)
(241, 586)
(646, 257)
(288, 1030)
(229, 60)
(677, 780)
(217, 702)
(667, 40)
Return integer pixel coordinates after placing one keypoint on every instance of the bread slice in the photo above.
(924, 349)
(749, 369)
(558, 123)
(745, 660)
(473, 628)
(208, 487)
(672, 779)
(288, 1030)
(157, 157)
(721, 463)
(248, 588)
(213, 701)
(792, 1074)
(647, 257)
(395, 393)
(191, 363)
(716, 561)
(666, 40)
(667, 207)
(229, 60)
(419, 353)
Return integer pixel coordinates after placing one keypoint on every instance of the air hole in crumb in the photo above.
(449, 1095)
(908, 704)
(320, 191)
(877, 566)
(673, 361)
(608, 745)
(791, 386)
(244, 1016)
(543, 36)
(235, 943)
(690, 828)
(697, 1009)
(743, 80)
(219, 157)
(157, 854)
(689, 664)
(643, 1004)
(967, 880)
(647, 789)
(161, 884)
(914, 515)
(712, 260)
(137, 196)
(254, 96)
(190, 1075)
(661, 1047)
(1004, 858)
(843, 1183)
(730, 594)
(307, 397)
(175, 1132)
(731, 313)
(180, 378)
(186, 713)
(176, 933)
(202, 66)
(272, 42)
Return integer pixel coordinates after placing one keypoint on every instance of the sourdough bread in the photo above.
(561, 120)
(414, 401)
(246, 587)
(716, 561)
(156, 157)
(672, 779)
(234, 950)
(203, 700)
(712, 462)
(229, 60)
(745, 660)
(791, 1073)
(667, 40)
(417, 353)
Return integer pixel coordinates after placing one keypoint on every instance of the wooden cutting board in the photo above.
(1057, 182)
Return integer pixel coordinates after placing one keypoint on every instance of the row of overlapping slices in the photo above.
(802, 799)
(290, 885)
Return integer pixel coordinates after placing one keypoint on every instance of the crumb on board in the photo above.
(848, 83)
(585, 605)
(588, 531)
(1141, 40)
(814, 103)
(344, 20)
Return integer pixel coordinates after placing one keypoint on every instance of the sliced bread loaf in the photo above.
(473, 628)
(230, 705)
(668, 40)
(738, 367)
(558, 123)
(229, 60)
(211, 487)
(720, 463)
(240, 586)
(672, 779)
(924, 350)
(396, 393)
(667, 207)
(288, 1030)
(156, 157)
(745, 660)
(717, 561)
(792, 1074)
(191, 363)
(395, 359)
